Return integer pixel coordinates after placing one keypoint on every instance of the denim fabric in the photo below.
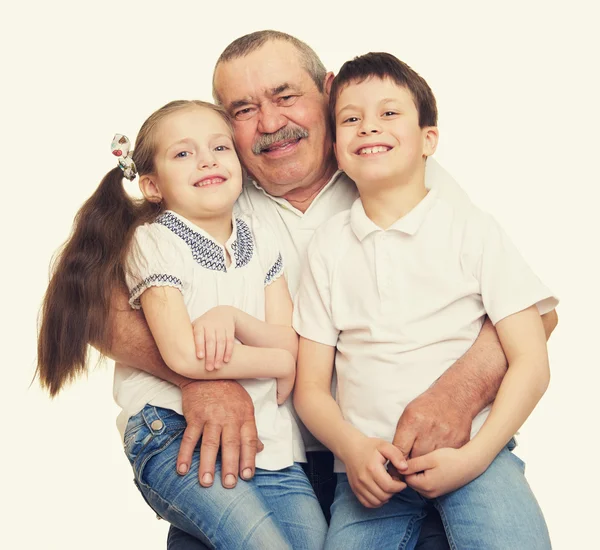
(496, 511)
(319, 470)
(273, 510)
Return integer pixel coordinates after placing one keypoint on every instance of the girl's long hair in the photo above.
(89, 268)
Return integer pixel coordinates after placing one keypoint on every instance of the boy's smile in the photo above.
(378, 137)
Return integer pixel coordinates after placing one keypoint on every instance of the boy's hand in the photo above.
(214, 336)
(365, 462)
(442, 471)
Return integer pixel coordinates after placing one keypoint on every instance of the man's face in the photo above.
(279, 117)
(378, 137)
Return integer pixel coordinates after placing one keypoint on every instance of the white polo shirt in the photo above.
(403, 304)
(294, 229)
(172, 251)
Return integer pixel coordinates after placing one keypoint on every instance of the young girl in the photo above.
(184, 255)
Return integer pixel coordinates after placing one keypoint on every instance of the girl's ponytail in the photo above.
(76, 306)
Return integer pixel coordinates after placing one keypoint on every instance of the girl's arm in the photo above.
(523, 338)
(276, 331)
(171, 327)
(363, 457)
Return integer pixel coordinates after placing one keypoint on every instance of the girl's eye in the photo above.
(182, 154)
(390, 113)
(351, 119)
(221, 148)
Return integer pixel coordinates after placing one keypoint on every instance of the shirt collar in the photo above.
(363, 226)
(205, 249)
(285, 204)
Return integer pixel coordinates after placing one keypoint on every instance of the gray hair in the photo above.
(249, 43)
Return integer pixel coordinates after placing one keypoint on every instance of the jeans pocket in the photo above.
(136, 438)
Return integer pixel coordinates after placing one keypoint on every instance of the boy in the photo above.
(395, 291)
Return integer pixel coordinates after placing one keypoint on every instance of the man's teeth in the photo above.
(208, 182)
(371, 150)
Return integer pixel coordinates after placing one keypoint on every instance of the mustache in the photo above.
(283, 134)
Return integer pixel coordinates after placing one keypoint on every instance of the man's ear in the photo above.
(328, 81)
(150, 189)
(431, 136)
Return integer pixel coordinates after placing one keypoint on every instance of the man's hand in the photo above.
(432, 421)
(222, 413)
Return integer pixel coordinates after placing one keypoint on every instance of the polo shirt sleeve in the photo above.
(312, 306)
(154, 259)
(508, 285)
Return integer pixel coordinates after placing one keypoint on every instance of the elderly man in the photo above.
(276, 90)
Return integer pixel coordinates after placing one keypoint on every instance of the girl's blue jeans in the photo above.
(273, 510)
(496, 511)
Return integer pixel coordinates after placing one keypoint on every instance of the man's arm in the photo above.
(442, 416)
(219, 411)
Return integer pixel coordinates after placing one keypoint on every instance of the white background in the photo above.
(517, 89)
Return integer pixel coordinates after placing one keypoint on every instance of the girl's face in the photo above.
(198, 174)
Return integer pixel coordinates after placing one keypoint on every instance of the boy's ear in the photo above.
(431, 136)
(328, 81)
(149, 189)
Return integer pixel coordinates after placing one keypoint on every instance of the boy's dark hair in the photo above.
(384, 65)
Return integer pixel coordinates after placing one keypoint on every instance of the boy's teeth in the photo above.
(371, 150)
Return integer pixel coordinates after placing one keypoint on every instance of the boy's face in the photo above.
(378, 134)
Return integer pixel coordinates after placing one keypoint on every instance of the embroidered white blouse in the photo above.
(173, 251)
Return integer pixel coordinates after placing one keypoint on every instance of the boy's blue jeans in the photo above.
(273, 510)
(496, 511)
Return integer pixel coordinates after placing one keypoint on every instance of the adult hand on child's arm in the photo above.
(442, 416)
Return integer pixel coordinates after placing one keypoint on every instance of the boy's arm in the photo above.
(442, 416)
(214, 410)
(313, 400)
(364, 457)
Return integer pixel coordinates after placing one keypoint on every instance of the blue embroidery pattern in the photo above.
(275, 271)
(243, 246)
(161, 279)
(206, 252)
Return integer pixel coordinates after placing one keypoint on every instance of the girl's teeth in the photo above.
(371, 150)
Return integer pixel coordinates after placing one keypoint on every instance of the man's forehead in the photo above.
(258, 75)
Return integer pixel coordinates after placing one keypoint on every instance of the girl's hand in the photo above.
(214, 334)
(443, 471)
(365, 460)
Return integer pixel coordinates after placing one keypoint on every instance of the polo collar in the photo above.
(205, 250)
(410, 223)
(285, 204)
